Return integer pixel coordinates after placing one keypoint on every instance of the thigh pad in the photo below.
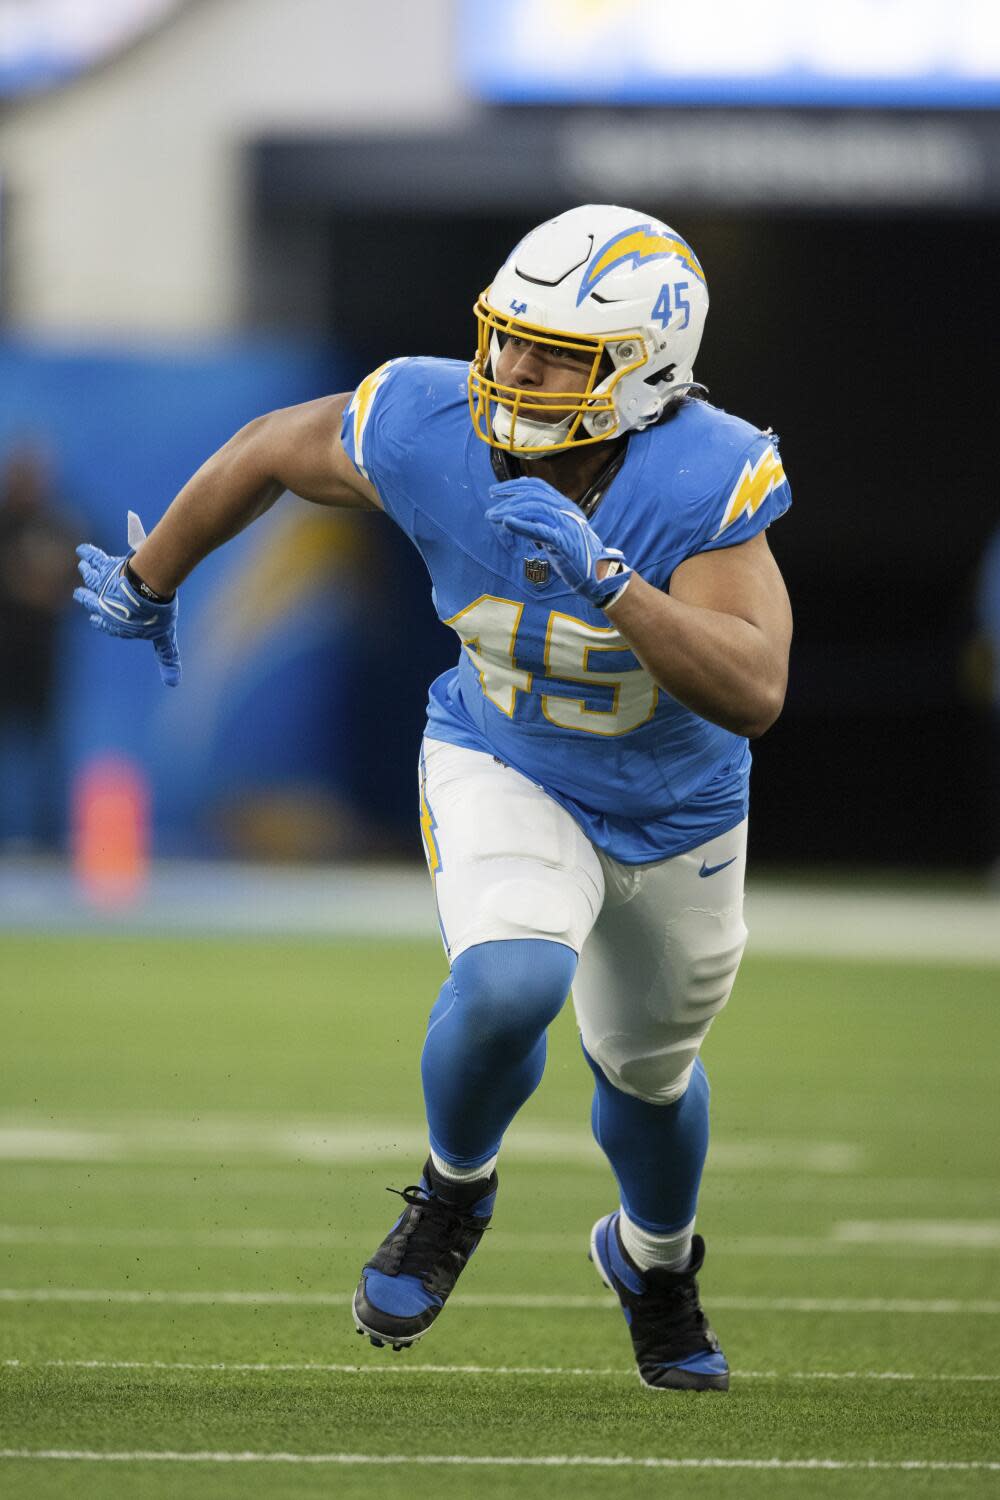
(507, 861)
(660, 966)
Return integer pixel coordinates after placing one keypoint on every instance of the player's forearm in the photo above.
(720, 666)
(231, 489)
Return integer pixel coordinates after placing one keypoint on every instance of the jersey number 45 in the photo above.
(488, 630)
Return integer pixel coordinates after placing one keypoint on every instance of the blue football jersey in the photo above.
(544, 681)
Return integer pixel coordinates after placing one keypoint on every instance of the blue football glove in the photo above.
(116, 607)
(533, 509)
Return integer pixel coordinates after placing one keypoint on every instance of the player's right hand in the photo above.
(116, 606)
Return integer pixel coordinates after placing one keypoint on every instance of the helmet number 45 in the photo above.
(663, 309)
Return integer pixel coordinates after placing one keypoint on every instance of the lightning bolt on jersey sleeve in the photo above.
(377, 434)
(754, 496)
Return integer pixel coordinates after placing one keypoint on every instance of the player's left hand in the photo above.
(533, 509)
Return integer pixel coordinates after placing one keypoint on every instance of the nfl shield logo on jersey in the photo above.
(537, 570)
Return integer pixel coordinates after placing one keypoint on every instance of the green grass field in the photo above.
(183, 1122)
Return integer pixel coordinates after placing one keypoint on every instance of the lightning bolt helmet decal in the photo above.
(640, 243)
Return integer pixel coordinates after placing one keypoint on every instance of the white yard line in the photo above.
(845, 1239)
(938, 1234)
(507, 1461)
(138, 1138)
(404, 1367)
(922, 1306)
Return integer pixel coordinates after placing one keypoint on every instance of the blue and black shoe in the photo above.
(407, 1281)
(675, 1347)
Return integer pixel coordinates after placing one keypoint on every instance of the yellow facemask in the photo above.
(570, 408)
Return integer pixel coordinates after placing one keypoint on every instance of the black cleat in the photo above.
(407, 1281)
(674, 1345)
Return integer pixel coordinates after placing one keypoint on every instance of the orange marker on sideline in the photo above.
(110, 821)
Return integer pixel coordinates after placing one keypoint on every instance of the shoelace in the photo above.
(670, 1312)
(430, 1229)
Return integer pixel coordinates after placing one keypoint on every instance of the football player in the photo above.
(595, 534)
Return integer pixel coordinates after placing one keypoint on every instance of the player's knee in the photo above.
(657, 1075)
(660, 1077)
(656, 1078)
(509, 991)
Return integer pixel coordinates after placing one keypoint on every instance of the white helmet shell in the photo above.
(614, 275)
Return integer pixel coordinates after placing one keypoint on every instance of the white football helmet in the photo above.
(603, 281)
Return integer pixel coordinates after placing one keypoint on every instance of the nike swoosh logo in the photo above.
(122, 612)
(707, 870)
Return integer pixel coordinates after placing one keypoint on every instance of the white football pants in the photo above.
(659, 945)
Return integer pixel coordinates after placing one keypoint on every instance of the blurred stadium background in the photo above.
(249, 204)
(212, 208)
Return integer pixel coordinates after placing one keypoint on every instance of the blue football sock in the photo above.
(485, 1049)
(656, 1151)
